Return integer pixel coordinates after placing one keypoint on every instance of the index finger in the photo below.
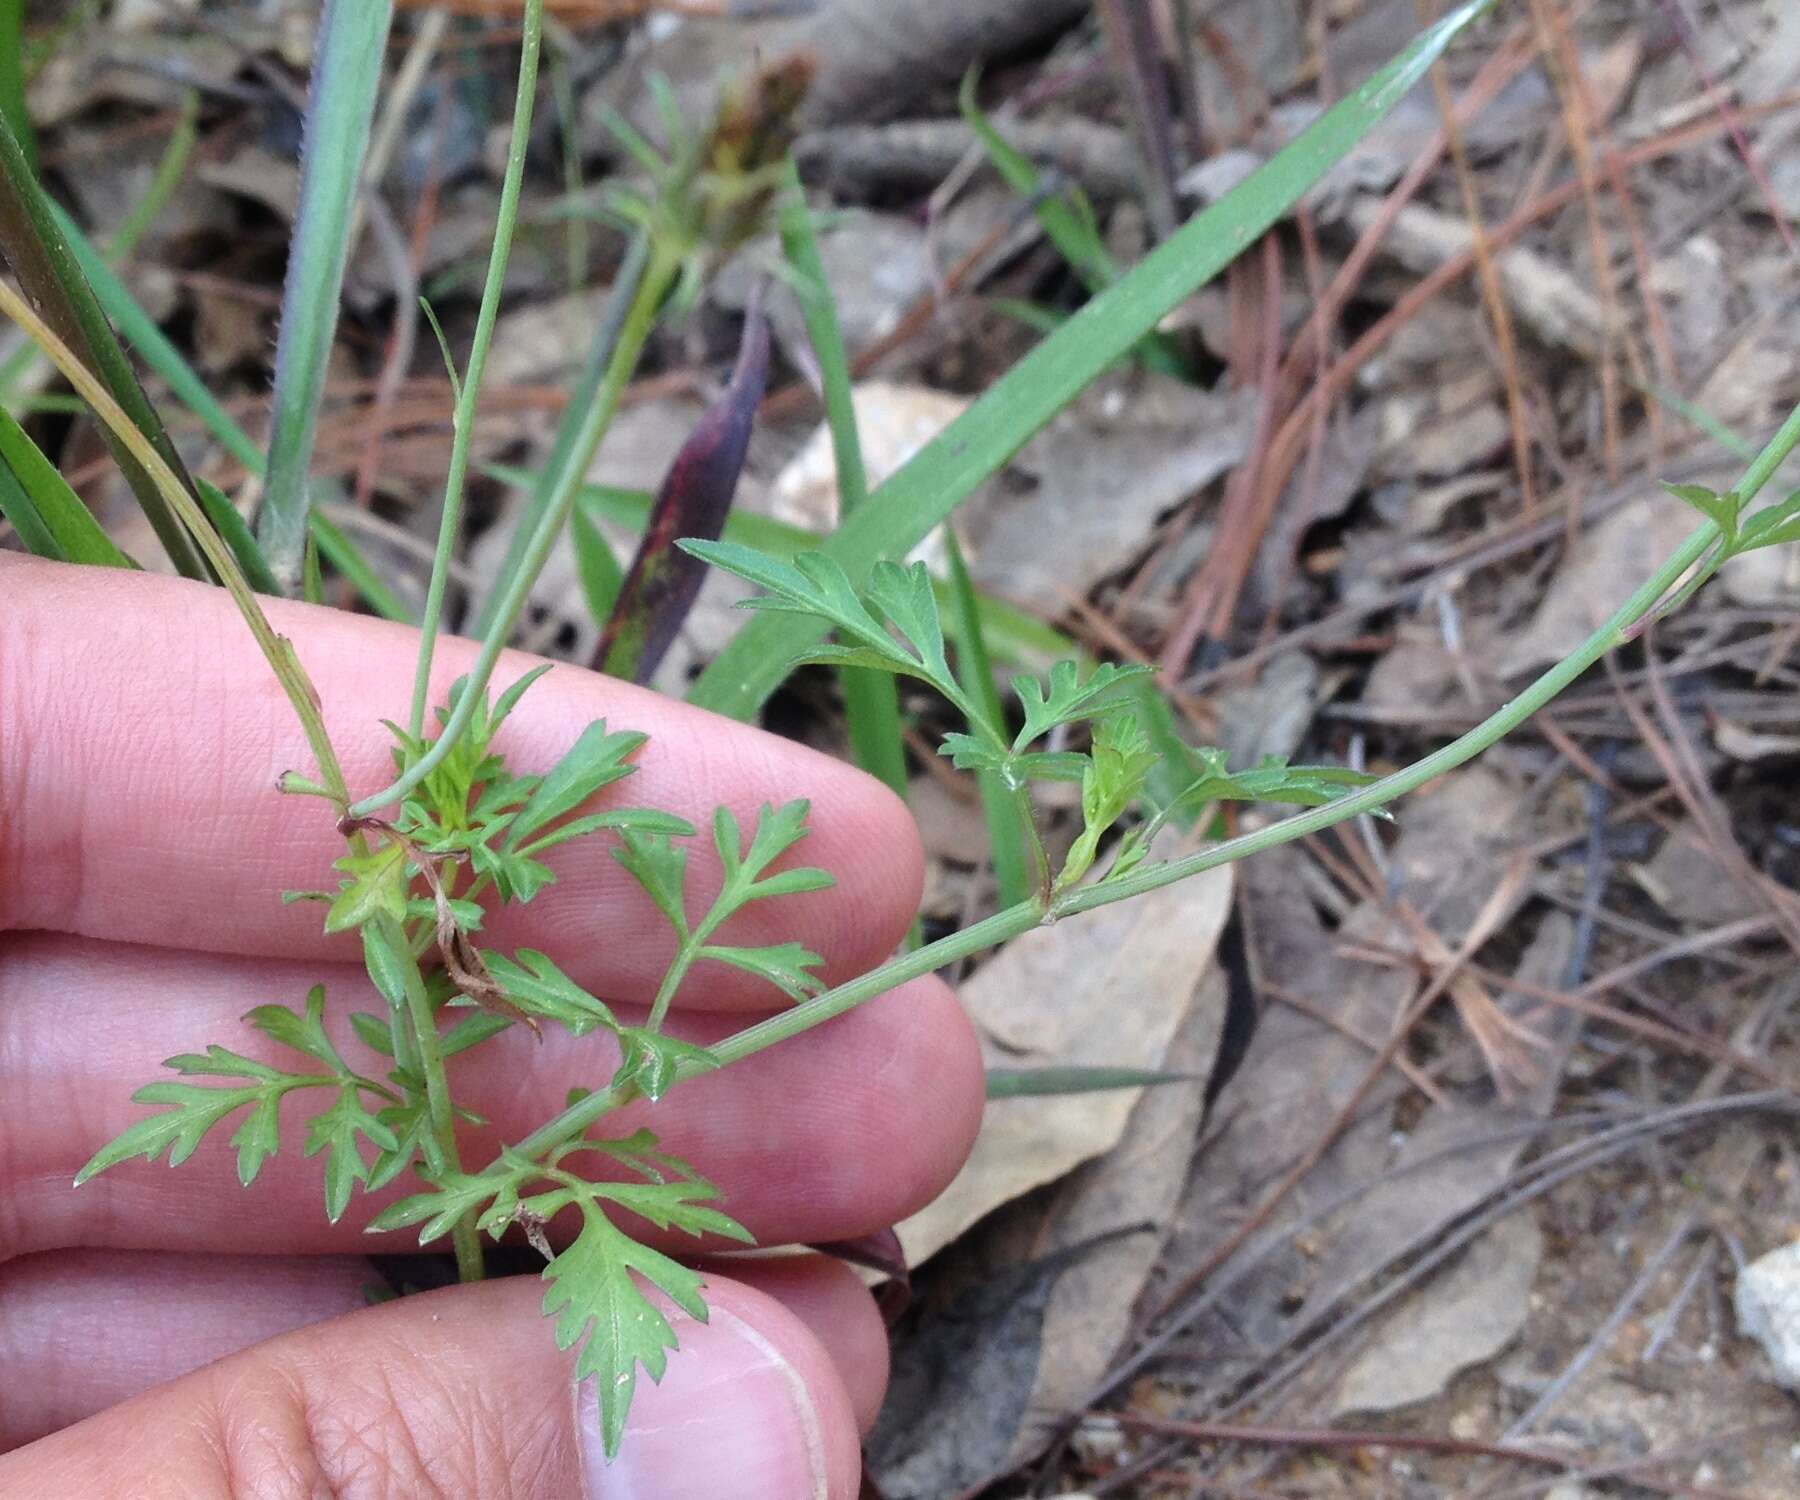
(141, 734)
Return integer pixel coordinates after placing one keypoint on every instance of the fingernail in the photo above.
(731, 1417)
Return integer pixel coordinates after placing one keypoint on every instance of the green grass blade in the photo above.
(55, 507)
(12, 78)
(598, 570)
(1009, 838)
(235, 532)
(1024, 1083)
(32, 531)
(1065, 216)
(943, 474)
(1068, 220)
(352, 45)
(48, 272)
(810, 287)
(871, 699)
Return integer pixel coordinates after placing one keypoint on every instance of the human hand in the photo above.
(143, 849)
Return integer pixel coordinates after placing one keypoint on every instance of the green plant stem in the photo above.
(574, 431)
(657, 279)
(1015, 920)
(469, 395)
(999, 928)
(441, 1153)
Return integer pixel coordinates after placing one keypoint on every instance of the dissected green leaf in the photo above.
(813, 584)
(1071, 698)
(787, 966)
(449, 1199)
(193, 1109)
(1771, 525)
(594, 1288)
(303, 1032)
(594, 1297)
(595, 760)
(335, 1131)
(778, 829)
(653, 1060)
(1720, 509)
(377, 887)
(1117, 768)
(660, 867)
(538, 987)
(967, 753)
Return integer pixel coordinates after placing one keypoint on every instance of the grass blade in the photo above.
(55, 512)
(40, 257)
(235, 532)
(1066, 217)
(170, 167)
(12, 78)
(1007, 835)
(352, 45)
(694, 500)
(1025, 1083)
(943, 474)
(871, 699)
(17, 507)
(599, 571)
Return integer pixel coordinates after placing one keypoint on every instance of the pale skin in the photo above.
(169, 1333)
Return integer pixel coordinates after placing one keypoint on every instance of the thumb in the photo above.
(464, 1392)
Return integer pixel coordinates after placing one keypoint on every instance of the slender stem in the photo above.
(632, 337)
(1010, 923)
(1612, 634)
(469, 397)
(671, 981)
(441, 1153)
(575, 438)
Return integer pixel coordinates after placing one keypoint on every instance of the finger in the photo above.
(141, 734)
(82, 1330)
(839, 1132)
(463, 1392)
